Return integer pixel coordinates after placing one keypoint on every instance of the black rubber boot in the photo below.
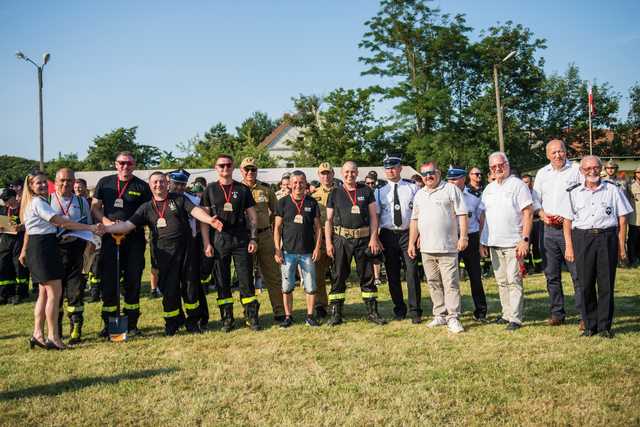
(226, 315)
(251, 315)
(192, 325)
(75, 333)
(60, 316)
(336, 313)
(372, 312)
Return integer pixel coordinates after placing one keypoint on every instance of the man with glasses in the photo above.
(265, 208)
(116, 199)
(475, 181)
(438, 213)
(234, 206)
(550, 187)
(321, 195)
(594, 229)
(509, 217)
(351, 231)
(633, 241)
(395, 205)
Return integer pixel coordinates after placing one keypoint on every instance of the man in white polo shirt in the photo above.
(438, 211)
(509, 218)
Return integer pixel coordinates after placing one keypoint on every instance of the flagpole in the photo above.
(590, 109)
(590, 136)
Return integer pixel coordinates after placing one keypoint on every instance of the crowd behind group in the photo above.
(236, 234)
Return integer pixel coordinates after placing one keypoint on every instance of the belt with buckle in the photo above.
(352, 233)
(597, 230)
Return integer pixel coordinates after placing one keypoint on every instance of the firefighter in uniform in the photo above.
(265, 207)
(351, 231)
(14, 277)
(91, 267)
(594, 230)
(167, 215)
(116, 198)
(323, 264)
(233, 204)
(66, 204)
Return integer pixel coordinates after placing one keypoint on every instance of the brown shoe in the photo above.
(581, 326)
(554, 321)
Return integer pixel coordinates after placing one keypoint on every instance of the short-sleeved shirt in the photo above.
(634, 199)
(37, 217)
(298, 238)
(75, 208)
(321, 195)
(550, 186)
(240, 198)
(599, 208)
(436, 211)
(341, 201)
(265, 200)
(504, 203)
(175, 208)
(475, 208)
(135, 194)
(386, 206)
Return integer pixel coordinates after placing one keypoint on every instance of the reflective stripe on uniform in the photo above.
(191, 306)
(6, 282)
(335, 297)
(173, 313)
(131, 306)
(223, 301)
(109, 308)
(76, 309)
(248, 300)
(369, 295)
(22, 281)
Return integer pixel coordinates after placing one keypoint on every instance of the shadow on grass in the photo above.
(55, 389)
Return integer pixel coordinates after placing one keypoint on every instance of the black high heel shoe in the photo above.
(33, 342)
(50, 345)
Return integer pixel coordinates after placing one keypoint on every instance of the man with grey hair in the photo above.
(509, 217)
(594, 229)
(550, 187)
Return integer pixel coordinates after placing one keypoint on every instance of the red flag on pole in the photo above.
(592, 105)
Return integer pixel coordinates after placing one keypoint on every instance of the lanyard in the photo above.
(65, 212)
(227, 197)
(353, 199)
(298, 208)
(120, 193)
(164, 208)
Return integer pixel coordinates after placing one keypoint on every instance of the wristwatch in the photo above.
(525, 238)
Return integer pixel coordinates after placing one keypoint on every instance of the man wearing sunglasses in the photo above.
(509, 218)
(438, 213)
(475, 182)
(265, 207)
(234, 206)
(116, 199)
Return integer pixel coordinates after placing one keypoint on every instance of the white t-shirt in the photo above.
(436, 212)
(503, 215)
(37, 217)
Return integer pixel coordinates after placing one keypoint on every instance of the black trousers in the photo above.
(535, 259)
(14, 277)
(132, 265)
(471, 258)
(395, 245)
(596, 261)
(174, 282)
(554, 247)
(194, 276)
(633, 243)
(228, 247)
(345, 251)
(74, 282)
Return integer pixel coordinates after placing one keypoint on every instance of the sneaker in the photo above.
(155, 293)
(513, 326)
(454, 326)
(288, 321)
(279, 318)
(437, 321)
(416, 320)
(502, 321)
(480, 319)
(310, 321)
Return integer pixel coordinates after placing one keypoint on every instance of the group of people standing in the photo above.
(300, 234)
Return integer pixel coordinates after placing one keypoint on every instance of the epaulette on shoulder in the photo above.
(608, 181)
(410, 181)
(573, 186)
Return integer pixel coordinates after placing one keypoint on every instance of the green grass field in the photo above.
(354, 374)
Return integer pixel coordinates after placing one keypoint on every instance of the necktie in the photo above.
(397, 213)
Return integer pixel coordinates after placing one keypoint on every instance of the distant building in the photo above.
(276, 144)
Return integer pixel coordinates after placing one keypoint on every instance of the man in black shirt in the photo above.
(167, 215)
(297, 230)
(351, 231)
(233, 204)
(116, 198)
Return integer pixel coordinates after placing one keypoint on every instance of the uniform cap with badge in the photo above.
(391, 161)
(180, 175)
(325, 167)
(248, 162)
(456, 173)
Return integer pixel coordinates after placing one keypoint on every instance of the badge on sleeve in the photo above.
(608, 210)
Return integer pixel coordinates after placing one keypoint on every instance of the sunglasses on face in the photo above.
(250, 170)
(476, 174)
(427, 173)
(124, 163)
(224, 165)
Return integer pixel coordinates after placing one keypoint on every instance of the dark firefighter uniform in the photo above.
(120, 199)
(351, 234)
(14, 277)
(72, 250)
(321, 195)
(171, 238)
(229, 203)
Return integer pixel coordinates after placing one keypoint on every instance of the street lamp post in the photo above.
(498, 104)
(45, 59)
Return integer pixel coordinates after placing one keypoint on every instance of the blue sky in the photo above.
(176, 68)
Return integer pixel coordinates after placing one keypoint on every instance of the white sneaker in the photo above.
(454, 325)
(437, 321)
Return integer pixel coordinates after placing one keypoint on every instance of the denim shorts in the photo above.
(307, 267)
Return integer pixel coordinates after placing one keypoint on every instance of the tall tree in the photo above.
(14, 168)
(69, 160)
(101, 154)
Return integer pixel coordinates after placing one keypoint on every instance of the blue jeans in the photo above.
(291, 262)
